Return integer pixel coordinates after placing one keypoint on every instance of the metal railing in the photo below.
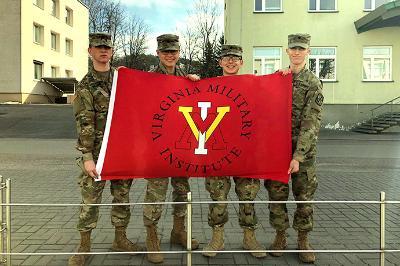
(5, 227)
(5, 255)
(390, 103)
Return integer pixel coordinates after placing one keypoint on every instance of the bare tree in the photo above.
(134, 41)
(200, 37)
(107, 16)
(206, 13)
(191, 47)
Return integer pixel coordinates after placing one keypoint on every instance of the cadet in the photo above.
(168, 54)
(245, 188)
(306, 120)
(90, 109)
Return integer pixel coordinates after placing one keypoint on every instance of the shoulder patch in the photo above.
(319, 100)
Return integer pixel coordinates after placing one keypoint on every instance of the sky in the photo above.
(163, 16)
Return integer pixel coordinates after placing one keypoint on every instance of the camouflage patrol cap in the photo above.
(231, 49)
(100, 38)
(168, 42)
(299, 40)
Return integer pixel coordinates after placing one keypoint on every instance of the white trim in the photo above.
(373, 5)
(264, 58)
(263, 10)
(103, 149)
(318, 57)
(373, 57)
(318, 7)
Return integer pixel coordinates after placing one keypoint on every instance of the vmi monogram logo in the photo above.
(203, 137)
(187, 128)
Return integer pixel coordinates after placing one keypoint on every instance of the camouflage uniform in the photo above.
(245, 188)
(306, 120)
(156, 190)
(90, 109)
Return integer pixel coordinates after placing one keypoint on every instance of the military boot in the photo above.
(79, 260)
(302, 244)
(216, 243)
(153, 244)
(179, 234)
(280, 243)
(121, 243)
(250, 243)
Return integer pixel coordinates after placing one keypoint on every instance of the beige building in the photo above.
(355, 47)
(43, 49)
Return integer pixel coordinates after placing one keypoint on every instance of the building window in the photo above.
(55, 40)
(267, 5)
(322, 62)
(54, 71)
(377, 63)
(370, 5)
(68, 16)
(68, 47)
(54, 8)
(37, 69)
(38, 3)
(37, 34)
(322, 5)
(266, 60)
(69, 73)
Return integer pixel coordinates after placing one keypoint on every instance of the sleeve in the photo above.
(310, 122)
(85, 124)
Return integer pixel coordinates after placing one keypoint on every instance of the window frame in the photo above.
(69, 16)
(69, 73)
(318, 7)
(41, 33)
(37, 63)
(57, 41)
(319, 57)
(55, 10)
(264, 58)
(38, 3)
(390, 57)
(263, 10)
(373, 5)
(70, 51)
(56, 69)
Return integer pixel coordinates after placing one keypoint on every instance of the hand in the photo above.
(285, 71)
(193, 77)
(90, 168)
(293, 166)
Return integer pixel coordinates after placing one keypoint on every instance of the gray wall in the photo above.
(345, 116)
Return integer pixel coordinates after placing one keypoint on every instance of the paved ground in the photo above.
(37, 153)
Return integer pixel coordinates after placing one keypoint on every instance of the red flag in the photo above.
(161, 126)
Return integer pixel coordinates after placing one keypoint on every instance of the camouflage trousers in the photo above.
(245, 188)
(304, 185)
(157, 191)
(92, 193)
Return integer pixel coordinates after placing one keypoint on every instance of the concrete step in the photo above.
(375, 124)
(397, 119)
(367, 127)
(368, 131)
(379, 123)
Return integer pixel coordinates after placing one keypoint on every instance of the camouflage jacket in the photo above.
(162, 70)
(306, 115)
(90, 110)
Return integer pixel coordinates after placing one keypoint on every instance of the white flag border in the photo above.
(104, 144)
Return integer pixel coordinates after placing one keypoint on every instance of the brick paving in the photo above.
(350, 167)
